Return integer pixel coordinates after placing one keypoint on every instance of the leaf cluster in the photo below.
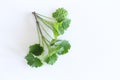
(49, 47)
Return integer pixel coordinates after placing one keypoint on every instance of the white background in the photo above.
(94, 35)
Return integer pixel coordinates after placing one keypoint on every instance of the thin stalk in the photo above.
(45, 22)
(44, 16)
(46, 32)
(44, 36)
(38, 27)
(41, 34)
(45, 41)
(38, 35)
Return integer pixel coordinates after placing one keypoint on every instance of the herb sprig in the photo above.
(49, 47)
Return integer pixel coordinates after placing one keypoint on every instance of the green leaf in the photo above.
(33, 61)
(58, 26)
(64, 46)
(60, 14)
(55, 48)
(51, 59)
(36, 49)
(59, 47)
(66, 23)
(62, 26)
(61, 29)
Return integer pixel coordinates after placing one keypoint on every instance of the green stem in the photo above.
(38, 35)
(38, 28)
(46, 23)
(46, 42)
(44, 16)
(46, 32)
(42, 34)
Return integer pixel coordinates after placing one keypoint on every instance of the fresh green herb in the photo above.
(33, 61)
(60, 14)
(51, 59)
(49, 47)
(36, 49)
